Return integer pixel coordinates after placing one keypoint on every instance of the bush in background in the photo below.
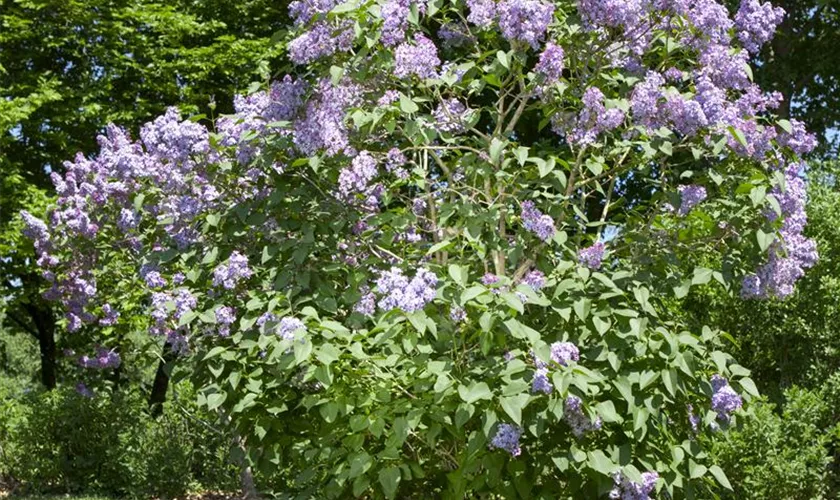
(61, 441)
(784, 454)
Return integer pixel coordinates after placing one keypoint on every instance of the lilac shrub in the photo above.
(438, 258)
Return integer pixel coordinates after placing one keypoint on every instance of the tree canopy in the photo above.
(441, 254)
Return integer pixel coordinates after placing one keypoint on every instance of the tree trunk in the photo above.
(42, 318)
(246, 475)
(161, 384)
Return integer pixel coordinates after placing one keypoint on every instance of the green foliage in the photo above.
(793, 349)
(794, 341)
(68, 68)
(17, 352)
(782, 455)
(63, 442)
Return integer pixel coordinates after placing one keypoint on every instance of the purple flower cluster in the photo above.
(398, 292)
(225, 316)
(395, 20)
(625, 489)
(366, 304)
(167, 310)
(356, 178)
(395, 162)
(644, 101)
(322, 40)
(686, 115)
(256, 111)
(690, 196)
(726, 69)
(724, 399)
(109, 315)
(322, 125)
(542, 225)
(420, 58)
(457, 314)
(388, 98)
(610, 13)
(540, 382)
(35, 229)
(798, 139)
(507, 439)
(653, 107)
(489, 279)
(151, 275)
(756, 23)
(266, 321)
(564, 353)
(302, 11)
(482, 12)
(708, 17)
(593, 120)
(450, 116)
(525, 20)
(173, 140)
(104, 358)
(519, 20)
(288, 327)
(577, 418)
(673, 74)
(706, 29)
(535, 279)
(693, 419)
(550, 65)
(171, 156)
(83, 390)
(235, 270)
(170, 306)
(591, 257)
(793, 252)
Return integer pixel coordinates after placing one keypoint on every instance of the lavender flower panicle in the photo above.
(577, 418)
(756, 23)
(457, 314)
(592, 256)
(540, 224)
(225, 316)
(724, 399)
(690, 195)
(535, 279)
(564, 353)
(408, 295)
(507, 439)
(450, 116)
(525, 20)
(288, 327)
(235, 270)
(625, 489)
(482, 12)
(420, 58)
(540, 382)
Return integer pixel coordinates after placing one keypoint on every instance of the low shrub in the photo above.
(783, 454)
(61, 441)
